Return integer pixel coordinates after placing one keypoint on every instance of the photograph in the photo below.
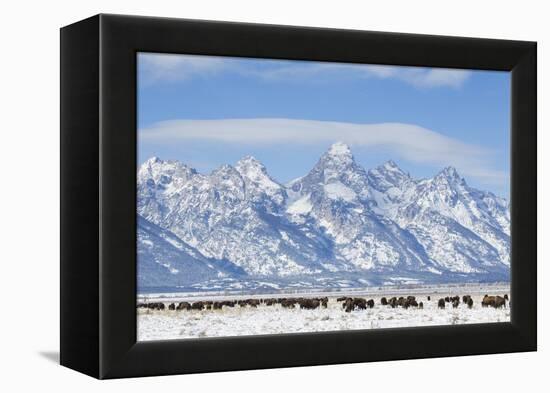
(274, 197)
(287, 196)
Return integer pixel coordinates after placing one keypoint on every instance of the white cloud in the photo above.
(171, 67)
(415, 76)
(406, 141)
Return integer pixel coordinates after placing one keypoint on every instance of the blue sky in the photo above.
(206, 111)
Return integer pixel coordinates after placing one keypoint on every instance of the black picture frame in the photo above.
(98, 196)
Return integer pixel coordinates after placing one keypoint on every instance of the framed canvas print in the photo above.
(299, 196)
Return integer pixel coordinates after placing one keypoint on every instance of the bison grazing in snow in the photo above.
(360, 303)
(197, 306)
(253, 302)
(309, 304)
(420, 305)
(287, 303)
(455, 303)
(172, 306)
(384, 301)
(500, 302)
(429, 298)
(348, 305)
(493, 301)
(441, 303)
(488, 301)
(324, 302)
(156, 306)
(370, 303)
(357, 303)
(506, 297)
(470, 303)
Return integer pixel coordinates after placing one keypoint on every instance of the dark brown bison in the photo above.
(341, 299)
(359, 303)
(470, 303)
(217, 305)
(384, 301)
(441, 303)
(183, 306)
(506, 297)
(370, 303)
(455, 303)
(493, 301)
(156, 306)
(447, 299)
(197, 306)
(270, 302)
(172, 306)
(348, 299)
(309, 304)
(488, 301)
(286, 303)
(500, 302)
(429, 298)
(253, 303)
(420, 305)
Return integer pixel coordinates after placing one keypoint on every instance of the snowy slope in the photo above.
(165, 260)
(461, 228)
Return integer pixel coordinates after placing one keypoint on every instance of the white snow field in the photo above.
(237, 321)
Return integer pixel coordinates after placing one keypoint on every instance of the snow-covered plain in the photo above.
(237, 321)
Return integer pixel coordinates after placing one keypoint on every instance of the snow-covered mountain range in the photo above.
(337, 226)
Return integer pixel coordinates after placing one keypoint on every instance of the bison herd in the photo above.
(349, 304)
(301, 302)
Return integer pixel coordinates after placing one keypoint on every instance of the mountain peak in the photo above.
(249, 161)
(387, 175)
(339, 149)
(338, 155)
(250, 165)
(153, 160)
(390, 165)
(450, 173)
